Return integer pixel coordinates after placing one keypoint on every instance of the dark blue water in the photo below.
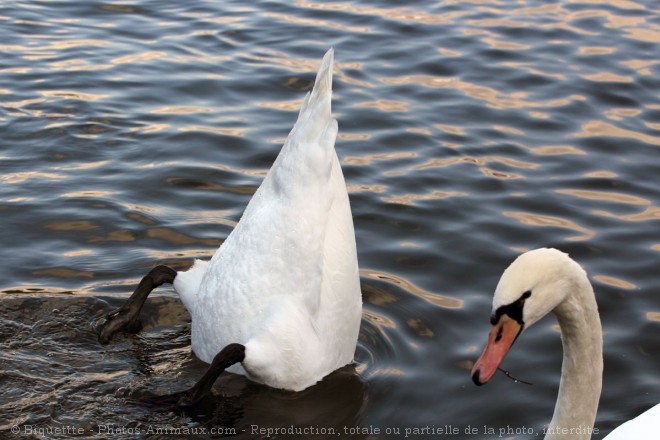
(134, 134)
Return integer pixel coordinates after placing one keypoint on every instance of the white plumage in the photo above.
(539, 282)
(285, 283)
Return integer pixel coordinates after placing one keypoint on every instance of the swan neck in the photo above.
(582, 366)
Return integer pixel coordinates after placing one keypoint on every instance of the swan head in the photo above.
(530, 288)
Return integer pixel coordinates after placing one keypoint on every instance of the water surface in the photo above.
(134, 134)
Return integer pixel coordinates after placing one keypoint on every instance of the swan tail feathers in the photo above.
(187, 283)
(323, 83)
(315, 112)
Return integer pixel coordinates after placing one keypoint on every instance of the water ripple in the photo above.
(135, 135)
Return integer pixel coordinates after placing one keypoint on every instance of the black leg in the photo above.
(228, 356)
(127, 317)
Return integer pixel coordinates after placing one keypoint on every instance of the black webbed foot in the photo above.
(181, 401)
(230, 355)
(118, 320)
(127, 317)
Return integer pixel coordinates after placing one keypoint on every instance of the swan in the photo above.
(280, 300)
(539, 282)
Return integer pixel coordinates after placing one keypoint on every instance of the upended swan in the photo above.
(280, 300)
(539, 282)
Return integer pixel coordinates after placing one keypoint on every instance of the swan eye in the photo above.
(514, 310)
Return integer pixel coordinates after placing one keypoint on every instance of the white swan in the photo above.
(281, 297)
(539, 282)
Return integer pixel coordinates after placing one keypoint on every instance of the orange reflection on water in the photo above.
(68, 44)
(78, 253)
(601, 175)
(451, 129)
(507, 129)
(244, 171)
(355, 188)
(643, 67)
(377, 320)
(496, 22)
(377, 296)
(410, 199)
(608, 77)
(120, 8)
(181, 110)
(504, 45)
(484, 160)
(151, 128)
(386, 372)
(621, 4)
(69, 94)
(16, 70)
(84, 166)
(418, 326)
(37, 289)
(318, 23)
(500, 174)
(605, 195)
(448, 52)
(238, 132)
(385, 105)
(556, 150)
(72, 225)
(62, 272)
(494, 98)
(290, 106)
(20, 177)
(225, 20)
(177, 255)
(144, 56)
(599, 128)
(443, 301)
(528, 68)
(643, 34)
(653, 316)
(614, 282)
(88, 193)
(120, 236)
(76, 65)
(174, 237)
(398, 14)
(596, 50)
(217, 217)
(369, 158)
(141, 208)
(419, 130)
(22, 103)
(613, 21)
(354, 136)
(650, 213)
(531, 219)
(285, 61)
(211, 186)
(617, 114)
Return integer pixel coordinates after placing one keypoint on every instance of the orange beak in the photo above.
(501, 338)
